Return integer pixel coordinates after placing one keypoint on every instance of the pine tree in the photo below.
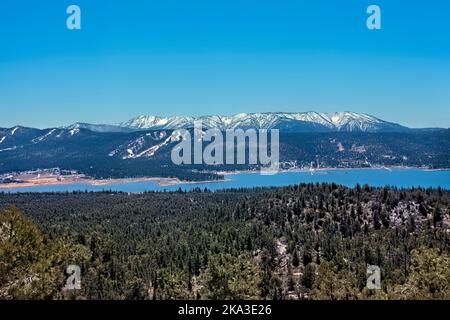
(295, 259)
(437, 215)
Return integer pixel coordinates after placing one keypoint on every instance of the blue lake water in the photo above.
(401, 178)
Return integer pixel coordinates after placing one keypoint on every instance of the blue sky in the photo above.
(168, 57)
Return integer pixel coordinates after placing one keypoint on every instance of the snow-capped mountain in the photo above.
(292, 122)
(98, 127)
(147, 152)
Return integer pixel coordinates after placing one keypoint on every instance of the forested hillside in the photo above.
(301, 242)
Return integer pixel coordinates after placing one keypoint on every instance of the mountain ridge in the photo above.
(284, 121)
(309, 121)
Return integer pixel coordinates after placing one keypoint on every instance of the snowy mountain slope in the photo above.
(145, 145)
(303, 121)
(98, 127)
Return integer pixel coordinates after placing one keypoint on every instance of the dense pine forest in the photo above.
(309, 241)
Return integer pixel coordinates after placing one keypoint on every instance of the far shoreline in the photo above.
(162, 182)
(170, 181)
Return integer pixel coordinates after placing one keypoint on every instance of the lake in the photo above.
(401, 178)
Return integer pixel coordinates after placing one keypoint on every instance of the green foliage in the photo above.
(229, 277)
(332, 284)
(31, 267)
(429, 277)
(171, 286)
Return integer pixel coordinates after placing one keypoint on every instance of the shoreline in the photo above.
(167, 182)
(390, 168)
(161, 181)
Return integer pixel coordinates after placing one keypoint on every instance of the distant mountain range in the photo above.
(142, 146)
(285, 122)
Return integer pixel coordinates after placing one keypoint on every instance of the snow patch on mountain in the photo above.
(74, 131)
(9, 149)
(43, 137)
(150, 152)
(143, 146)
(97, 127)
(134, 147)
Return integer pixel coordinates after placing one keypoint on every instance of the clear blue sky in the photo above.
(184, 57)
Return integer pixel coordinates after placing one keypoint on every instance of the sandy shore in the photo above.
(36, 182)
(88, 181)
